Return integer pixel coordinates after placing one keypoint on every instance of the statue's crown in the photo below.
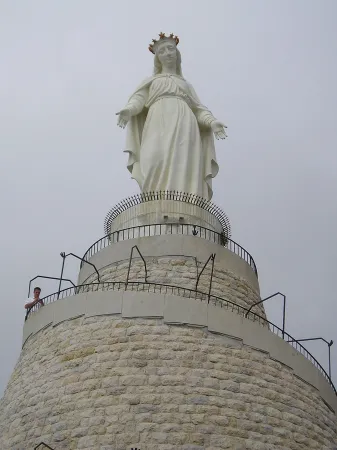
(162, 37)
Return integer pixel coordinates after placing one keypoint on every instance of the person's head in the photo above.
(167, 54)
(37, 292)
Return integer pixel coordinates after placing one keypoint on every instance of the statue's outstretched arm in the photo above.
(134, 107)
(205, 118)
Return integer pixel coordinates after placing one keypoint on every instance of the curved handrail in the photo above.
(177, 196)
(44, 444)
(157, 229)
(163, 288)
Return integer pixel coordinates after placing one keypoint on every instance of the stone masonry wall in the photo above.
(183, 271)
(106, 383)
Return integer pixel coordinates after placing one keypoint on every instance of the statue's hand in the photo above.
(218, 129)
(124, 116)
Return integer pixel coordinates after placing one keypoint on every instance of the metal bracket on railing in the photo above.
(223, 239)
(329, 344)
(44, 446)
(130, 259)
(49, 278)
(64, 256)
(211, 258)
(284, 308)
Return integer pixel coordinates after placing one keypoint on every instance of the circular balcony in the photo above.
(82, 302)
(159, 229)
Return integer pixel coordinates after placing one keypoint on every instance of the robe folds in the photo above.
(169, 139)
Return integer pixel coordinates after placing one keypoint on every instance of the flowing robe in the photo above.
(169, 139)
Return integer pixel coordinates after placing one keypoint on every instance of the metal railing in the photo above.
(268, 298)
(189, 293)
(135, 247)
(211, 258)
(171, 229)
(42, 446)
(184, 197)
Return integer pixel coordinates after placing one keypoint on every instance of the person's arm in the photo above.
(34, 302)
(29, 305)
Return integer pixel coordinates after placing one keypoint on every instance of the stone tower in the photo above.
(154, 350)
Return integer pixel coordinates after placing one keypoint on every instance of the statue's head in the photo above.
(166, 53)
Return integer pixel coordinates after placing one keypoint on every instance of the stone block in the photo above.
(185, 310)
(68, 308)
(103, 302)
(221, 320)
(142, 304)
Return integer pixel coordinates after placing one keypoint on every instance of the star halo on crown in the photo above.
(161, 38)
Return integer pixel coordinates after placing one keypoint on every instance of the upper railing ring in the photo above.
(168, 195)
(171, 229)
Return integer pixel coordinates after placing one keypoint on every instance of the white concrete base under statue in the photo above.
(166, 212)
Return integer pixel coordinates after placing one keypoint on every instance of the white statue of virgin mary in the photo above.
(169, 132)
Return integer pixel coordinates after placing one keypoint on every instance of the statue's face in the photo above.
(167, 53)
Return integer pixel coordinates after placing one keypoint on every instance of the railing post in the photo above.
(210, 281)
(83, 260)
(45, 445)
(63, 255)
(130, 259)
(284, 315)
(212, 257)
(329, 346)
(268, 298)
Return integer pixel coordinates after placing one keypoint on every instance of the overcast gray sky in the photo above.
(266, 68)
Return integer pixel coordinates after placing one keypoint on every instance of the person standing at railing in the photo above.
(30, 302)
